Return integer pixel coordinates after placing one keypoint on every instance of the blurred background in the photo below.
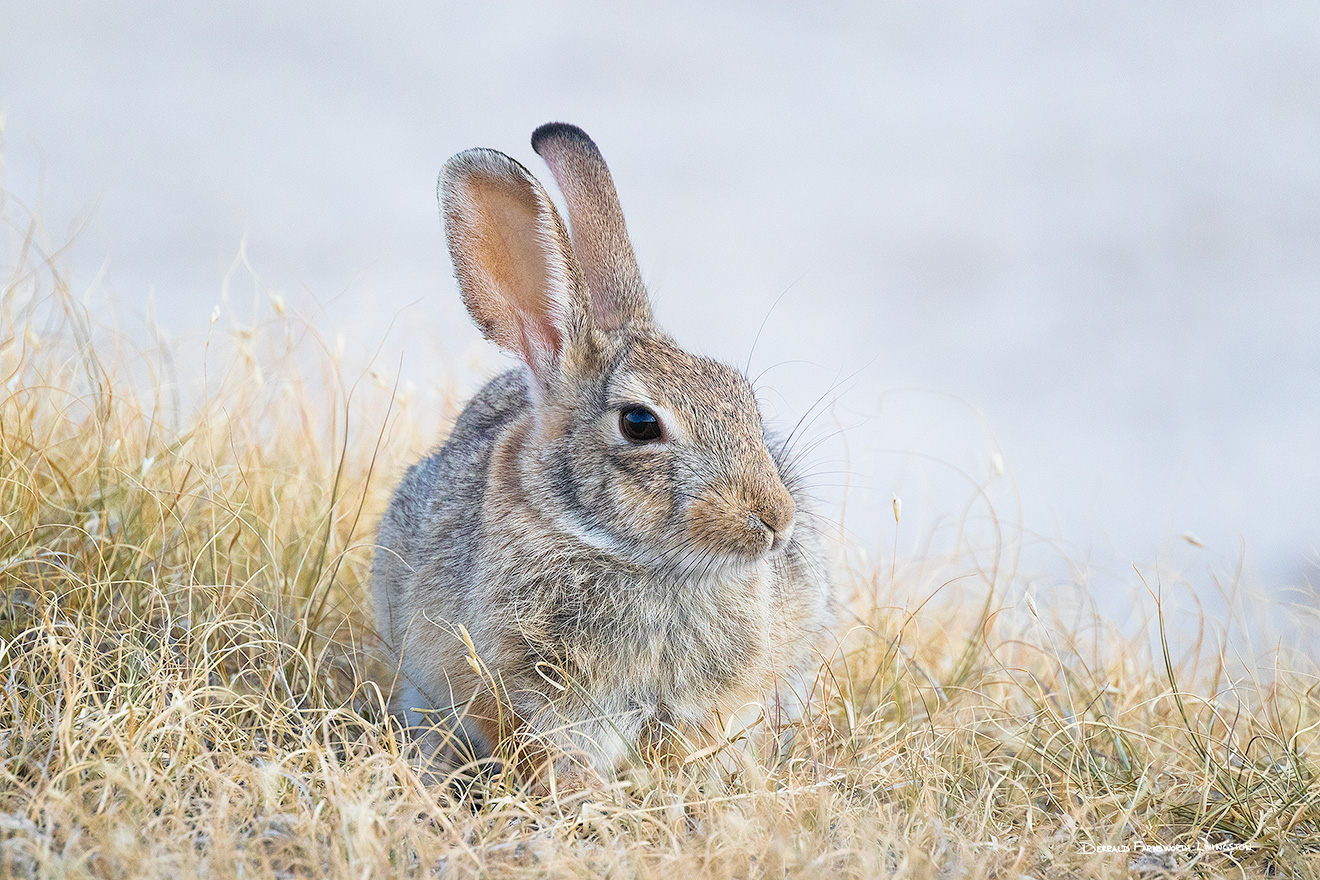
(1048, 268)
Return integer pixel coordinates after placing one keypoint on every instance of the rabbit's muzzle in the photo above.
(778, 528)
(747, 521)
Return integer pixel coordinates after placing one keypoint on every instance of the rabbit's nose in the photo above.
(776, 517)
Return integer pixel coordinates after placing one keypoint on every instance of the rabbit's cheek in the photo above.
(644, 507)
(643, 495)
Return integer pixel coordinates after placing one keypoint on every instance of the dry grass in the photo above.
(186, 691)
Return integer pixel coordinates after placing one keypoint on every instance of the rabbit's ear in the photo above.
(513, 259)
(618, 297)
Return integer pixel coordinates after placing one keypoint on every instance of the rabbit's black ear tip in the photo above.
(559, 131)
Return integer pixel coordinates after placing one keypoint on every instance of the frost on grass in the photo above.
(189, 689)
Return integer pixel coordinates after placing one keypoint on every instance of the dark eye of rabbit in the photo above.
(639, 424)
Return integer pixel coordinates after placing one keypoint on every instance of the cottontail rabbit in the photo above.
(609, 545)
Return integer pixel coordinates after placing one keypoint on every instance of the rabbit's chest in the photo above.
(670, 649)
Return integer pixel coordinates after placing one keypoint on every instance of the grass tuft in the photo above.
(189, 690)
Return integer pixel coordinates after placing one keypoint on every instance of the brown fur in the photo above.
(610, 591)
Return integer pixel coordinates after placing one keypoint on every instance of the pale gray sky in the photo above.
(1097, 225)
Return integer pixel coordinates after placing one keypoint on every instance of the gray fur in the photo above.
(600, 235)
(612, 591)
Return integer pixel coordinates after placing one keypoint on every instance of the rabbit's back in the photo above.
(429, 538)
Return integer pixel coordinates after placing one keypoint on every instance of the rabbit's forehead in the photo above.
(711, 399)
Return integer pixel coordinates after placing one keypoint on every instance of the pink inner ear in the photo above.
(512, 296)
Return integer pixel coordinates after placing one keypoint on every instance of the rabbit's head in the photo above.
(636, 446)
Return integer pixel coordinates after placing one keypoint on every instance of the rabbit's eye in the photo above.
(639, 425)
